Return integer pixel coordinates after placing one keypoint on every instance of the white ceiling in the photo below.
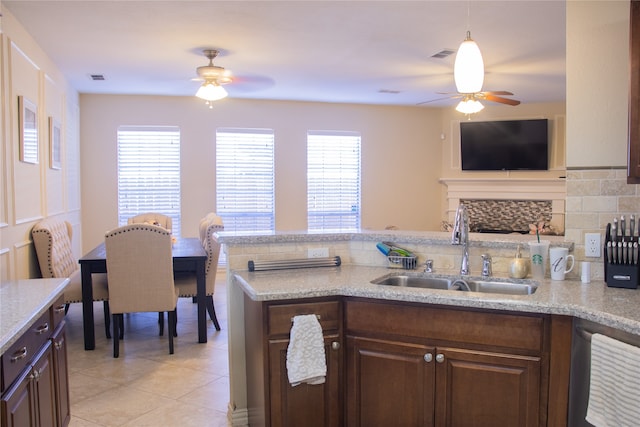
(328, 51)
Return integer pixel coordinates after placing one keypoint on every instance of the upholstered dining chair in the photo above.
(140, 275)
(52, 242)
(186, 285)
(153, 218)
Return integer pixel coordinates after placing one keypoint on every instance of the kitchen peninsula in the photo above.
(345, 294)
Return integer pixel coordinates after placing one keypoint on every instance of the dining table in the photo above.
(188, 257)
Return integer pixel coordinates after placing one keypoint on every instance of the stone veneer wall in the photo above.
(594, 198)
(515, 215)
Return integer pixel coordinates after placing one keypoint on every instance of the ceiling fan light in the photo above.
(469, 106)
(211, 91)
(468, 69)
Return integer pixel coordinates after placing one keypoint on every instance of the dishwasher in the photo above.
(581, 365)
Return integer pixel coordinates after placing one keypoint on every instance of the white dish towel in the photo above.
(614, 392)
(306, 361)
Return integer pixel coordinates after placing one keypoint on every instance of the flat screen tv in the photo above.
(504, 145)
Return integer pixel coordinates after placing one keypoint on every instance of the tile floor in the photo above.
(147, 386)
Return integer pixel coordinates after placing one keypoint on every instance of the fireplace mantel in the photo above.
(554, 189)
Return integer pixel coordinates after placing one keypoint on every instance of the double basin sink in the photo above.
(458, 283)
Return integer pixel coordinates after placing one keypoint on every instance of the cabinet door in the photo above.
(305, 405)
(18, 405)
(486, 389)
(389, 383)
(63, 410)
(44, 387)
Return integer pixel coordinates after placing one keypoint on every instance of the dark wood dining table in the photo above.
(188, 256)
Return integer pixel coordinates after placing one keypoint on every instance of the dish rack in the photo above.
(403, 262)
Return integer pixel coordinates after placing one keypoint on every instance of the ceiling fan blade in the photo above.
(439, 99)
(501, 100)
(498, 92)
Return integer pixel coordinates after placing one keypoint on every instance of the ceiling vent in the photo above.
(97, 77)
(443, 53)
(389, 91)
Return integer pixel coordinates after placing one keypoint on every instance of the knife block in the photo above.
(621, 275)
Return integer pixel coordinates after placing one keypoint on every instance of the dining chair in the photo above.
(186, 284)
(153, 218)
(140, 275)
(52, 241)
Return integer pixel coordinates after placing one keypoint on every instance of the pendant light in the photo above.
(468, 69)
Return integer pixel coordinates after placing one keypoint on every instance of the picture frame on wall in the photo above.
(55, 144)
(28, 128)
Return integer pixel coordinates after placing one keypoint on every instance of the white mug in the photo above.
(558, 258)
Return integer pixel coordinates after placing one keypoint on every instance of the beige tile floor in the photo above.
(147, 386)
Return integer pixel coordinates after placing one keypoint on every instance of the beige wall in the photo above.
(401, 153)
(597, 109)
(30, 192)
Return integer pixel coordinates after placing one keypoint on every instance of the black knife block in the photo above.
(621, 275)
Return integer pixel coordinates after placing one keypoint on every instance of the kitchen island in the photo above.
(362, 263)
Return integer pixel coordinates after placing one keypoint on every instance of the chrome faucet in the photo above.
(460, 236)
(486, 265)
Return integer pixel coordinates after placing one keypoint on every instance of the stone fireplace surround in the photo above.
(508, 204)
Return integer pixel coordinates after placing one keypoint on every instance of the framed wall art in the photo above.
(28, 128)
(55, 135)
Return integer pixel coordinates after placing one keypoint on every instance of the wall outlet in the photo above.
(592, 245)
(317, 252)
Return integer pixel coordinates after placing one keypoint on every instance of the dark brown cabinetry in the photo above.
(271, 399)
(430, 366)
(407, 364)
(35, 387)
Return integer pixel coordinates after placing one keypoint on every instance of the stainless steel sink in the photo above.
(457, 283)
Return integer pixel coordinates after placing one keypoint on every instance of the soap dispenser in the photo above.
(519, 267)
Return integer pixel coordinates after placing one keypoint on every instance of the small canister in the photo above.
(519, 267)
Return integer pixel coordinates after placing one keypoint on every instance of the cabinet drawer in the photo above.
(520, 332)
(18, 356)
(57, 312)
(280, 316)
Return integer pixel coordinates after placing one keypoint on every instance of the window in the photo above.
(333, 181)
(149, 172)
(245, 179)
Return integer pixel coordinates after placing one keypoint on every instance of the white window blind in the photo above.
(333, 181)
(245, 179)
(149, 172)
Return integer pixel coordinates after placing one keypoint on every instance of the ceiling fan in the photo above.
(213, 78)
(468, 74)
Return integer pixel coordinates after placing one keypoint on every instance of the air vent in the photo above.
(97, 77)
(443, 53)
(389, 91)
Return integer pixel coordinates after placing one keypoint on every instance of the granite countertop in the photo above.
(615, 307)
(23, 301)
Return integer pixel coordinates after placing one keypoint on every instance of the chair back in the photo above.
(152, 218)
(140, 269)
(52, 241)
(209, 225)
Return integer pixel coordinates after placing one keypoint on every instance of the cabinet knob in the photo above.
(428, 357)
(439, 357)
(335, 345)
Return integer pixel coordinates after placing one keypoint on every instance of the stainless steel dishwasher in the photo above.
(581, 366)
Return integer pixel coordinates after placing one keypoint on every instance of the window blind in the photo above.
(333, 181)
(245, 179)
(149, 172)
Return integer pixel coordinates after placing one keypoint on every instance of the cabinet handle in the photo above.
(59, 309)
(58, 344)
(41, 329)
(335, 345)
(439, 357)
(428, 357)
(20, 354)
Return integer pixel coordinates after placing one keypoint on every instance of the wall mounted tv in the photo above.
(504, 145)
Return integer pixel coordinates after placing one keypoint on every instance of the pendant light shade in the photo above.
(211, 91)
(468, 70)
